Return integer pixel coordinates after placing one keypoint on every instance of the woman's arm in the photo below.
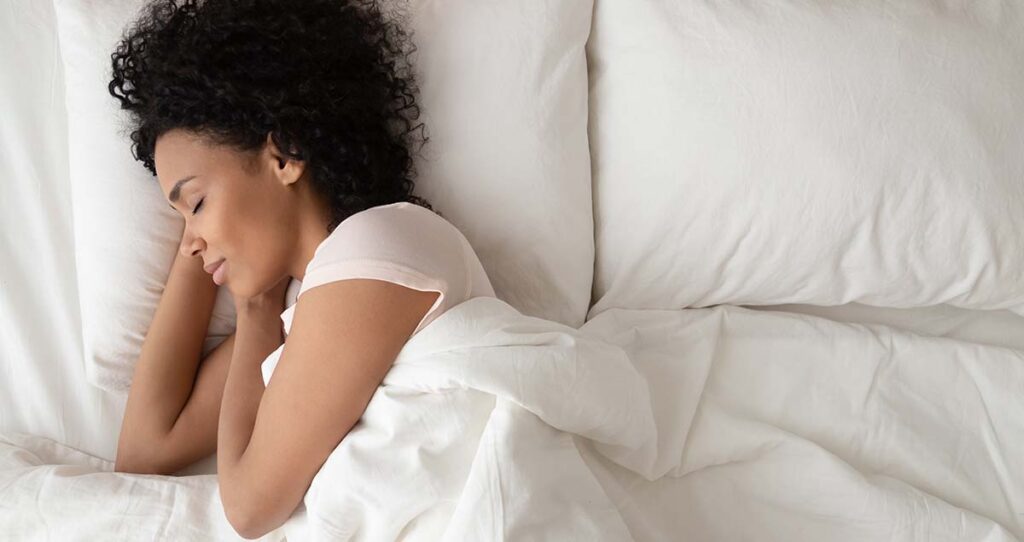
(166, 372)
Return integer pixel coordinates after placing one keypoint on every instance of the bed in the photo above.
(652, 372)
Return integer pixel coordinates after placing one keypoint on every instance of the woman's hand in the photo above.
(270, 302)
(264, 310)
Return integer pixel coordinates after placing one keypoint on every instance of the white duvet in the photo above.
(722, 423)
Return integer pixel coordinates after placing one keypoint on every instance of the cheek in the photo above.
(257, 245)
(257, 233)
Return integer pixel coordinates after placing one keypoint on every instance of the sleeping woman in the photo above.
(282, 133)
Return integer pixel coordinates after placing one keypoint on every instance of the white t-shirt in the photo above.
(402, 243)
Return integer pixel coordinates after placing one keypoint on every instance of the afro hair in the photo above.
(329, 80)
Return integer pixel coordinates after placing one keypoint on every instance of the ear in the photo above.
(287, 169)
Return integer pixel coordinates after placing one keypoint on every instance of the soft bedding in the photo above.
(840, 423)
(994, 327)
(43, 389)
(54, 492)
(793, 151)
(720, 423)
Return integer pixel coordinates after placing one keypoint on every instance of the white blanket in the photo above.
(789, 427)
(49, 491)
(712, 424)
(470, 436)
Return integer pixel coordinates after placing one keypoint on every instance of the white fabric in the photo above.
(462, 440)
(43, 388)
(789, 427)
(401, 243)
(507, 163)
(808, 152)
(504, 93)
(723, 423)
(997, 328)
(54, 492)
(800, 359)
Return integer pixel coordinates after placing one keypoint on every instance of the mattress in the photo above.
(881, 423)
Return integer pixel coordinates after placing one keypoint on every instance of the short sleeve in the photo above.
(401, 243)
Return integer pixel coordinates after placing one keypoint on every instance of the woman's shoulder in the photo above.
(393, 231)
(402, 212)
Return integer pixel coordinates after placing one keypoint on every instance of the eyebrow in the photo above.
(176, 191)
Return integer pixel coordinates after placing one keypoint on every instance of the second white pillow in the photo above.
(808, 152)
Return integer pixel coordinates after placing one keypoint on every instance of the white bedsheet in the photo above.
(993, 327)
(722, 423)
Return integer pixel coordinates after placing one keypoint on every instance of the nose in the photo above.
(190, 244)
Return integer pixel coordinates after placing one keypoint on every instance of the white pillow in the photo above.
(808, 152)
(126, 236)
(503, 96)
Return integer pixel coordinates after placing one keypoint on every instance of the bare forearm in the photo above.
(166, 369)
(258, 334)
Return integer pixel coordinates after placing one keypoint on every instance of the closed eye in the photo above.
(198, 205)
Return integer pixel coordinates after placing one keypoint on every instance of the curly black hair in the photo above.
(330, 80)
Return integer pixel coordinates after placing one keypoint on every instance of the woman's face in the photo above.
(242, 208)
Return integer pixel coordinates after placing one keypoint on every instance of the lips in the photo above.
(211, 268)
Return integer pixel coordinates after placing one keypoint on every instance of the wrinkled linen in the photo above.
(791, 427)
(470, 435)
(50, 491)
(722, 423)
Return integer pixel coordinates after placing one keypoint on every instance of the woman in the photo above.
(281, 132)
